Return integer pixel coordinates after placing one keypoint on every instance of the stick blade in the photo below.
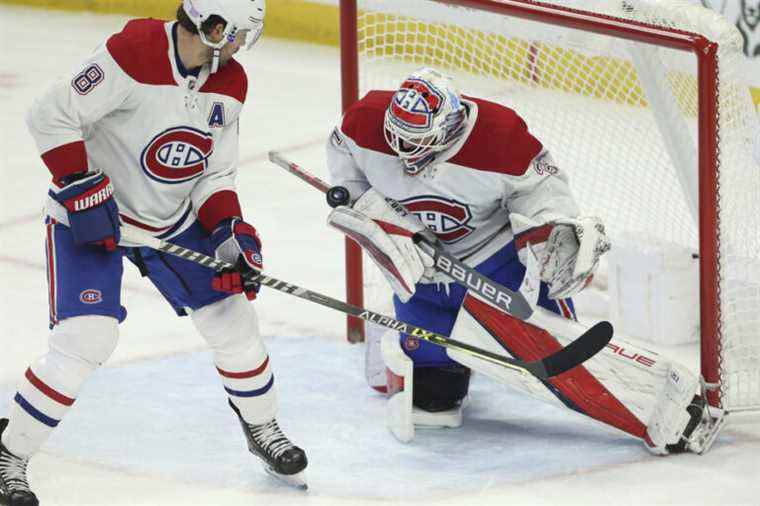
(583, 348)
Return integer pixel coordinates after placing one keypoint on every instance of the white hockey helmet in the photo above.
(425, 117)
(238, 15)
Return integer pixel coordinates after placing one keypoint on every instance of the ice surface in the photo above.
(152, 427)
(170, 416)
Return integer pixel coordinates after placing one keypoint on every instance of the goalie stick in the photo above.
(586, 346)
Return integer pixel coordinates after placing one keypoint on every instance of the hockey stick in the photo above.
(577, 352)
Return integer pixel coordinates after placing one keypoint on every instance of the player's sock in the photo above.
(14, 485)
(250, 384)
(230, 327)
(78, 345)
(45, 394)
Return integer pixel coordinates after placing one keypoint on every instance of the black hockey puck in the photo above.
(338, 196)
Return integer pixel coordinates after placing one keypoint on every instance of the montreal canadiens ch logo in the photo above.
(177, 155)
(90, 296)
(447, 218)
(415, 103)
(411, 343)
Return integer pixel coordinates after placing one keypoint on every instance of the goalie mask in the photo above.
(238, 15)
(425, 117)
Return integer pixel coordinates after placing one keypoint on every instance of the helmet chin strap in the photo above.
(216, 48)
(215, 60)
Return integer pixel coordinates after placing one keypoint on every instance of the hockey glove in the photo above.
(568, 251)
(92, 211)
(384, 229)
(236, 242)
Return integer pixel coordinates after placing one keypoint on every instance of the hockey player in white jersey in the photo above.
(146, 132)
(470, 171)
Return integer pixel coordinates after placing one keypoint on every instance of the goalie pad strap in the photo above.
(578, 389)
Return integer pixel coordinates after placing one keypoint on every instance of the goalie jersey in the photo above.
(497, 168)
(167, 138)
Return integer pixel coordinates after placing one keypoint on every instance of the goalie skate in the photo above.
(14, 487)
(281, 458)
(703, 428)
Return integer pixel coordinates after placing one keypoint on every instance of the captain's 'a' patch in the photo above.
(216, 117)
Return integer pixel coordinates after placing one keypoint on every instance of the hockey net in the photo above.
(642, 102)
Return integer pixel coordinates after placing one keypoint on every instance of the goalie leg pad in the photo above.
(485, 326)
(402, 416)
(433, 308)
(398, 414)
(488, 327)
(670, 417)
(374, 366)
(681, 420)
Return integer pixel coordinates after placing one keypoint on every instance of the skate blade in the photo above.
(297, 480)
(702, 441)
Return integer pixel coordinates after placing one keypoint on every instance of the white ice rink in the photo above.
(152, 426)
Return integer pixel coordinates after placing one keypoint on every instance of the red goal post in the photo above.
(381, 32)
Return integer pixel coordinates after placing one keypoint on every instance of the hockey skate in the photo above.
(281, 458)
(14, 487)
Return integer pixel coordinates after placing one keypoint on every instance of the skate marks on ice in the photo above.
(169, 417)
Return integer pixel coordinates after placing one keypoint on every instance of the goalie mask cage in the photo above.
(642, 102)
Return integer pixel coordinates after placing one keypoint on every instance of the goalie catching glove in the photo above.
(385, 230)
(568, 250)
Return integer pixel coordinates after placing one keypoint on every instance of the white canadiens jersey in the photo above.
(496, 169)
(168, 142)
